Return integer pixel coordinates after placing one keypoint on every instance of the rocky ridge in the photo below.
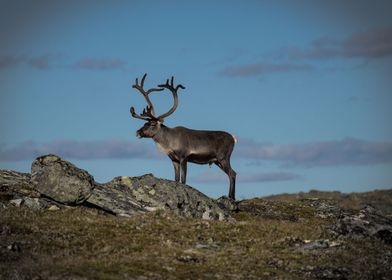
(54, 182)
(172, 231)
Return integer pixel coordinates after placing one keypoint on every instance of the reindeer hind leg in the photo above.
(225, 166)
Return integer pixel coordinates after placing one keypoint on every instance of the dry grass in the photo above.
(86, 243)
(381, 199)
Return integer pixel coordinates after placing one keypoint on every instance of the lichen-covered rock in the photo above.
(60, 180)
(227, 203)
(12, 178)
(35, 203)
(365, 223)
(16, 202)
(16, 183)
(115, 199)
(153, 193)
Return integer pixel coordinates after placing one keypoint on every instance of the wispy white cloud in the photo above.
(349, 151)
(246, 177)
(54, 61)
(40, 62)
(91, 63)
(369, 44)
(104, 149)
(268, 177)
(256, 69)
(7, 61)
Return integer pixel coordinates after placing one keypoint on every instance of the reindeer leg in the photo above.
(176, 165)
(232, 184)
(183, 171)
(225, 166)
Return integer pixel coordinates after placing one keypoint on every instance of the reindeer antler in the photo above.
(148, 112)
(146, 115)
(170, 86)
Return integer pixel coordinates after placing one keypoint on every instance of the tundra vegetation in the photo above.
(314, 235)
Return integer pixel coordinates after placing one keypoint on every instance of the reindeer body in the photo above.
(197, 146)
(184, 145)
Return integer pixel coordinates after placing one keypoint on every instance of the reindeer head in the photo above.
(154, 123)
(149, 129)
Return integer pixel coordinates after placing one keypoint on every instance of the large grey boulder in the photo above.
(368, 222)
(115, 199)
(15, 183)
(60, 180)
(148, 193)
(63, 182)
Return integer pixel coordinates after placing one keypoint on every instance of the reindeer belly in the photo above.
(202, 158)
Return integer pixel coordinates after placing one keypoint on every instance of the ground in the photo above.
(281, 237)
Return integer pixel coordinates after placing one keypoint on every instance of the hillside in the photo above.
(380, 199)
(315, 235)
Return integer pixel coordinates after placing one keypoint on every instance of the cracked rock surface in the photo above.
(58, 181)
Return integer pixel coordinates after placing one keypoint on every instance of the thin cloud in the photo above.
(349, 151)
(369, 44)
(268, 177)
(217, 178)
(374, 43)
(210, 178)
(41, 62)
(7, 61)
(100, 64)
(104, 149)
(256, 69)
(48, 61)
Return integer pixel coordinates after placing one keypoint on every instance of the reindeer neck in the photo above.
(161, 136)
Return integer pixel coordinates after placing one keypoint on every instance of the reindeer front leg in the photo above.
(183, 171)
(176, 165)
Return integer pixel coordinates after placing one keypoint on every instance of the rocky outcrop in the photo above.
(60, 180)
(115, 200)
(366, 223)
(56, 181)
(148, 193)
(13, 183)
(228, 204)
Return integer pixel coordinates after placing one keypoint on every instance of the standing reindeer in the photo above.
(181, 144)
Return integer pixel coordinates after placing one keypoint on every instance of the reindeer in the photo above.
(182, 144)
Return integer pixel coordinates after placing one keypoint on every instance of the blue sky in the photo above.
(304, 86)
